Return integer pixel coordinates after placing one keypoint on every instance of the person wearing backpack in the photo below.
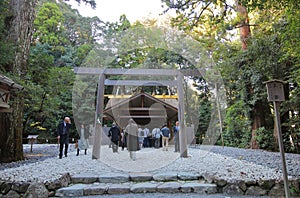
(165, 137)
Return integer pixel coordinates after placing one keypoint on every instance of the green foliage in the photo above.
(49, 25)
(204, 116)
(49, 102)
(83, 96)
(40, 62)
(67, 35)
(238, 125)
(272, 51)
(265, 138)
(6, 48)
(48, 88)
(263, 60)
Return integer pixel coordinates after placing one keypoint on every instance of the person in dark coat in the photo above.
(131, 131)
(114, 133)
(63, 136)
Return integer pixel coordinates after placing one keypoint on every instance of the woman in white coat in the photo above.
(83, 143)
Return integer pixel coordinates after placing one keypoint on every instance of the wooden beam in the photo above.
(164, 83)
(128, 96)
(137, 72)
(165, 96)
(142, 116)
(4, 105)
(140, 109)
(126, 72)
(6, 110)
(117, 96)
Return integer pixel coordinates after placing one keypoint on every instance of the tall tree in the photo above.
(19, 25)
(19, 22)
(191, 15)
(62, 38)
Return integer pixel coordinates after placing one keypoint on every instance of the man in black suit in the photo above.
(114, 133)
(63, 136)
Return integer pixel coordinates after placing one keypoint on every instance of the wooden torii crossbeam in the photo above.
(104, 72)
(137, 72)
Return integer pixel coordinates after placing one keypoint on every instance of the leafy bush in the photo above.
(265, 138)
(238, 126)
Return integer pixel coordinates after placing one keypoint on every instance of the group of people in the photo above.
(166, 135)
(136, 138)
(133, 137)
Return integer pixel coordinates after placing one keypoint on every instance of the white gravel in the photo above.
(43, 164)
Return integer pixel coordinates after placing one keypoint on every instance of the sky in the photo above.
(111, 10)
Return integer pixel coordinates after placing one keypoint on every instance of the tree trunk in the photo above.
(6, 139)
(245, 32)
(257, 114)
(20, 27)
(258, 121)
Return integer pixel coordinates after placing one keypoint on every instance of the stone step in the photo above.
(89, 178)
(137, 182)
(77, 190)
(86, 184)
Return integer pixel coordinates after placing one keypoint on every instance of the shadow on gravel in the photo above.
(40, 152)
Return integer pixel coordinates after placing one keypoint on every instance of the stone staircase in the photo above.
(121, 183)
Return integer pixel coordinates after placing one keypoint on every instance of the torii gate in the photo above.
(104, 72)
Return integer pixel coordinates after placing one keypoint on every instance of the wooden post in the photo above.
(182, 131)
(98, 118)
(31, 143)
(219, 112)
(275, 89)
(281, 148)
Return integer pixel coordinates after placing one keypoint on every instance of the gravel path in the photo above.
(262, 157)
(227, 163)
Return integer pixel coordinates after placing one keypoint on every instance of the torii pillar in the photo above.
(98, 117)
(182, 130)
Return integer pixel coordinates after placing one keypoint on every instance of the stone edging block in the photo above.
(140, 176)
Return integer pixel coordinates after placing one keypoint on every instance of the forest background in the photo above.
(40, 48)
